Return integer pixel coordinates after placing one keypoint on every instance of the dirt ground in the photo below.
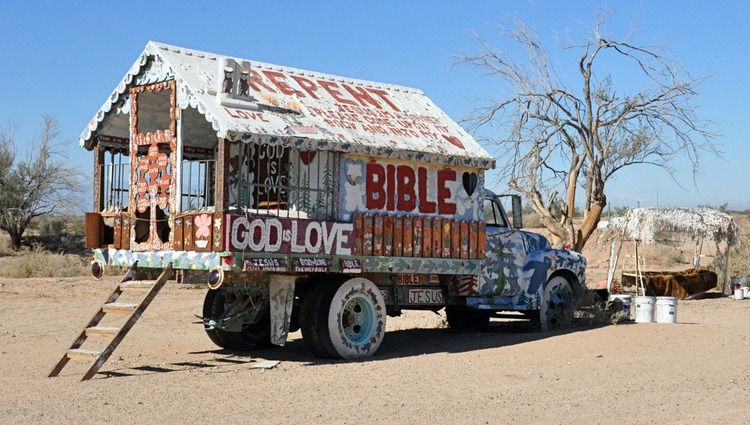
(167, 371)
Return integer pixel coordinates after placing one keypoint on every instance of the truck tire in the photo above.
(253, 336)
(356, 319)
(344, 321)
(213, 306)
(557, 305)
(461, 318)
(313, 315)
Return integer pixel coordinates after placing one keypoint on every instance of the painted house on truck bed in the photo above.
(308, 200)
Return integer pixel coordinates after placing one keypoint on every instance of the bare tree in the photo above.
(558, 137)
(41, 184)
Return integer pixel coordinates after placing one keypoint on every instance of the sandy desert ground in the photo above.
(167, 370)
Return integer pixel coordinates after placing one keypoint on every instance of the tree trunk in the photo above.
(589, 224)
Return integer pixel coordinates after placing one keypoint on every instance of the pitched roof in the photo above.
(251, 101)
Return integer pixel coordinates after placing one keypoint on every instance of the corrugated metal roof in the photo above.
(257, 102)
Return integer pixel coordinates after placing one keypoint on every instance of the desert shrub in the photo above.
(40, 263)
(52, 229)
(531, 220)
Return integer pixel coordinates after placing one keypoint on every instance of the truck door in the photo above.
(153, 145)
(503, 266)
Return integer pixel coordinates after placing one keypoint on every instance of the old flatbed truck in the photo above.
(308, 201)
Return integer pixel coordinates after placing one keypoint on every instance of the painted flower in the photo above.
(203, 226)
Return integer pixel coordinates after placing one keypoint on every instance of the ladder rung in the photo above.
(118, 308)
(102, 331)
(82, 354)
(136, 284)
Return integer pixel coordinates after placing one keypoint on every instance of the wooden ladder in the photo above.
(117, 334)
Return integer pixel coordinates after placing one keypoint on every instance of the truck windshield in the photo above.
(493, 215)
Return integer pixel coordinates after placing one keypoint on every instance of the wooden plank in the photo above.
(136, 284)
(218, 232)
(367, 236)
(408, 237)
(481, 239)
(427, 237)
(94, 230)
(473, 236)
(357, 232)
(455, 239)
(179, 232)
(125, 232)
(119, 308)
(417, 239)
(398, 237)
(464, 239)
(377, 235)
(446, 223)
(437, 237)
(388, 235)
(104, 331)
(187, 232)
(86, 355)
(117, 231)
(203, 225)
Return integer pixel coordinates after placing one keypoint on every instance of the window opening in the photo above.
(287, 182)
(115, 179)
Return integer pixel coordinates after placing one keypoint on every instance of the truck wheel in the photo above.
(557, 304)
(459, 318)
(253, 336)
(356, 319)
(313, 315)
(213, 306)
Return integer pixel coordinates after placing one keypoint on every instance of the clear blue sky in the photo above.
(65, 58)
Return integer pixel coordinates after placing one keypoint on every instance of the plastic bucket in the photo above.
(739, 282)
(644, 309)
(626, 302)
(666, 310)
(739, 293)
(746, 292)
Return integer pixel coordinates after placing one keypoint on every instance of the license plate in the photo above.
(426, 296)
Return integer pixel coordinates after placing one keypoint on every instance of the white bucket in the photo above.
(644, 309)
(746, 292)
(666, 310)
(626, 301)
(739, 294)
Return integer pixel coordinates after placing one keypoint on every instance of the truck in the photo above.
(308, 201)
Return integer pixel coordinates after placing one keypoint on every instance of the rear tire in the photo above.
(253, 336)
(344, 321)
(313, 315)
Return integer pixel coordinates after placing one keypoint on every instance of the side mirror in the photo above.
(517, 211)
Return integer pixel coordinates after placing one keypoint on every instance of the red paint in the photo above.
(444, 194)
(333, 89)
(390, 187)
(307, 85)
(383, 95)
(279, 80)
(256, 80)
(407, 199)
(425, 206)
(362, 96)
(375, 184)
(397, 188)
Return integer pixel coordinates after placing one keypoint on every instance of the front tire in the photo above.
(557, 304)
